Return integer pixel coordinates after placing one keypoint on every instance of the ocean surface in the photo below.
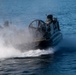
(60, 60)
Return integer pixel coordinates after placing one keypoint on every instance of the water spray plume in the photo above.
(13, 39)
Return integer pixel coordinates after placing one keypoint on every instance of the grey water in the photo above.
(21, 13)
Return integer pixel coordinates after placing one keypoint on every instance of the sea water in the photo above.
(60, 60)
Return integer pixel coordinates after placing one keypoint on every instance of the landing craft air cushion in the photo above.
(44, 36)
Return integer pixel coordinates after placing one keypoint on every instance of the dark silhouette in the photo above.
(49, 19)
(56, 24)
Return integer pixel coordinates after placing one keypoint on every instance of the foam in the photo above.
(11, 52)
(12, 36)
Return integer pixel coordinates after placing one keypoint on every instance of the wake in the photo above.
(11, 36)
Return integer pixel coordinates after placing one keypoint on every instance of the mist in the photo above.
(15, 41)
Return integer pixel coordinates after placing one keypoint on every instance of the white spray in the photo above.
(10, 37)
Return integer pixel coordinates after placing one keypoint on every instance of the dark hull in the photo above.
(42, 44)
(53, 41)
(50, 42)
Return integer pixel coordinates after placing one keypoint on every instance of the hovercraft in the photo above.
(45, 36)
